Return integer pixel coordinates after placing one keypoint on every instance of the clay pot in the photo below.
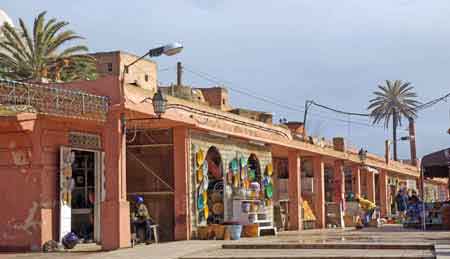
(226, 234)
(219, 231)
(250, 230)
(202, 233)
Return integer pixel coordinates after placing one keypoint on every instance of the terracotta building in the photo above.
(77, 154)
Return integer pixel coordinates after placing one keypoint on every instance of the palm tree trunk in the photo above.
(394, 134)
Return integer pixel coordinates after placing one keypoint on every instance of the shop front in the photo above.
(232, 185)
(81, 186)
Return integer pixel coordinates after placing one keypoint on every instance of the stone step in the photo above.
(312, 253)
(400, 246)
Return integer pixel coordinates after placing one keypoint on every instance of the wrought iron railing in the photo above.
(53, 100)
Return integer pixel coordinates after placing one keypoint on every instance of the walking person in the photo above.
(401, 200)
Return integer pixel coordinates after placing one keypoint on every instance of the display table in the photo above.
(247, 211)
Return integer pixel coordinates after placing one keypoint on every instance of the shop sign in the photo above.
(84, 140)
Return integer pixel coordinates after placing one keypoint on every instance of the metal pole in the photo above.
(424, 225)
(308, 104)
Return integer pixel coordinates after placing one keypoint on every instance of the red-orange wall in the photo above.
(29, 167)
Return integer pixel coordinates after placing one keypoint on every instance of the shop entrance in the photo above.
(80, 191)
(150, 174)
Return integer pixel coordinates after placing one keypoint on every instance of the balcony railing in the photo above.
(53, 101)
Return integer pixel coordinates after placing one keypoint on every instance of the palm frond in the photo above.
(41, 53)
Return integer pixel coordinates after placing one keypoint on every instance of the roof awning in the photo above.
(437, 164)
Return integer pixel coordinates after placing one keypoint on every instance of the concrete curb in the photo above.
(406, 246)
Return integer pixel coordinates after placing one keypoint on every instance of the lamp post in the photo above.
(159, 101)
(362, 155)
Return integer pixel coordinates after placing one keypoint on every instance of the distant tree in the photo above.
(396, 100)
(43, 54)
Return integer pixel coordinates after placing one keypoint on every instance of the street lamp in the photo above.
(159, 101)
(168, 50)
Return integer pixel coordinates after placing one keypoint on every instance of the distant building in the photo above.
(143, 74)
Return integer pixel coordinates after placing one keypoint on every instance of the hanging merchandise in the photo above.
(200, 174)
(205, 204)
(206, 211)
(254, 190)
(230, 177)
(200, 200)
(234, 166)
(205, 169)
(228, 191)
(255, 186)
(205, 183)
(243, 162)
(269, 190)
(266, 180)
(269, 169)
(251, 175)
(243, 173)
(243, 166)
(215, 170)
(236, 181)
(200, 157)
(201, 216)
(246, 184)
(216, 197)
(218, 187)
(217, 208)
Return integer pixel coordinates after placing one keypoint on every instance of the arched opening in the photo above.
(215, 186)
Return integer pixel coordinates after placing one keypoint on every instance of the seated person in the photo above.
(368, 207)
(141, 218)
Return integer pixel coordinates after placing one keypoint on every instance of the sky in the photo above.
(290, 51)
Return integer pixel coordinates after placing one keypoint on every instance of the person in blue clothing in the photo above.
(401, 199)
(415, 207)
(141, 218)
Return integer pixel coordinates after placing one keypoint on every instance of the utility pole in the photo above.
(308, 104)
(412, 141)
(394, 128)
(179, 73)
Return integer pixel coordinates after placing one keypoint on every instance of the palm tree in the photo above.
(42, 54)
(396, 99)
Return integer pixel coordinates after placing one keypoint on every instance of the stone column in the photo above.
(339, 182)
(370, 178)
(294, 188)
(181, 182)
(384, 204)
(115, 210)
(356, 180)
(319, 191)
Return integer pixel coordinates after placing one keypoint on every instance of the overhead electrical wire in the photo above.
(339, 111)
(214, 80)
(433, 102)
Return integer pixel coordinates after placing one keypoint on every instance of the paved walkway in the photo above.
(389, 234)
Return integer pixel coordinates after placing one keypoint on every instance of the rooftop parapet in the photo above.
(52, 100)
